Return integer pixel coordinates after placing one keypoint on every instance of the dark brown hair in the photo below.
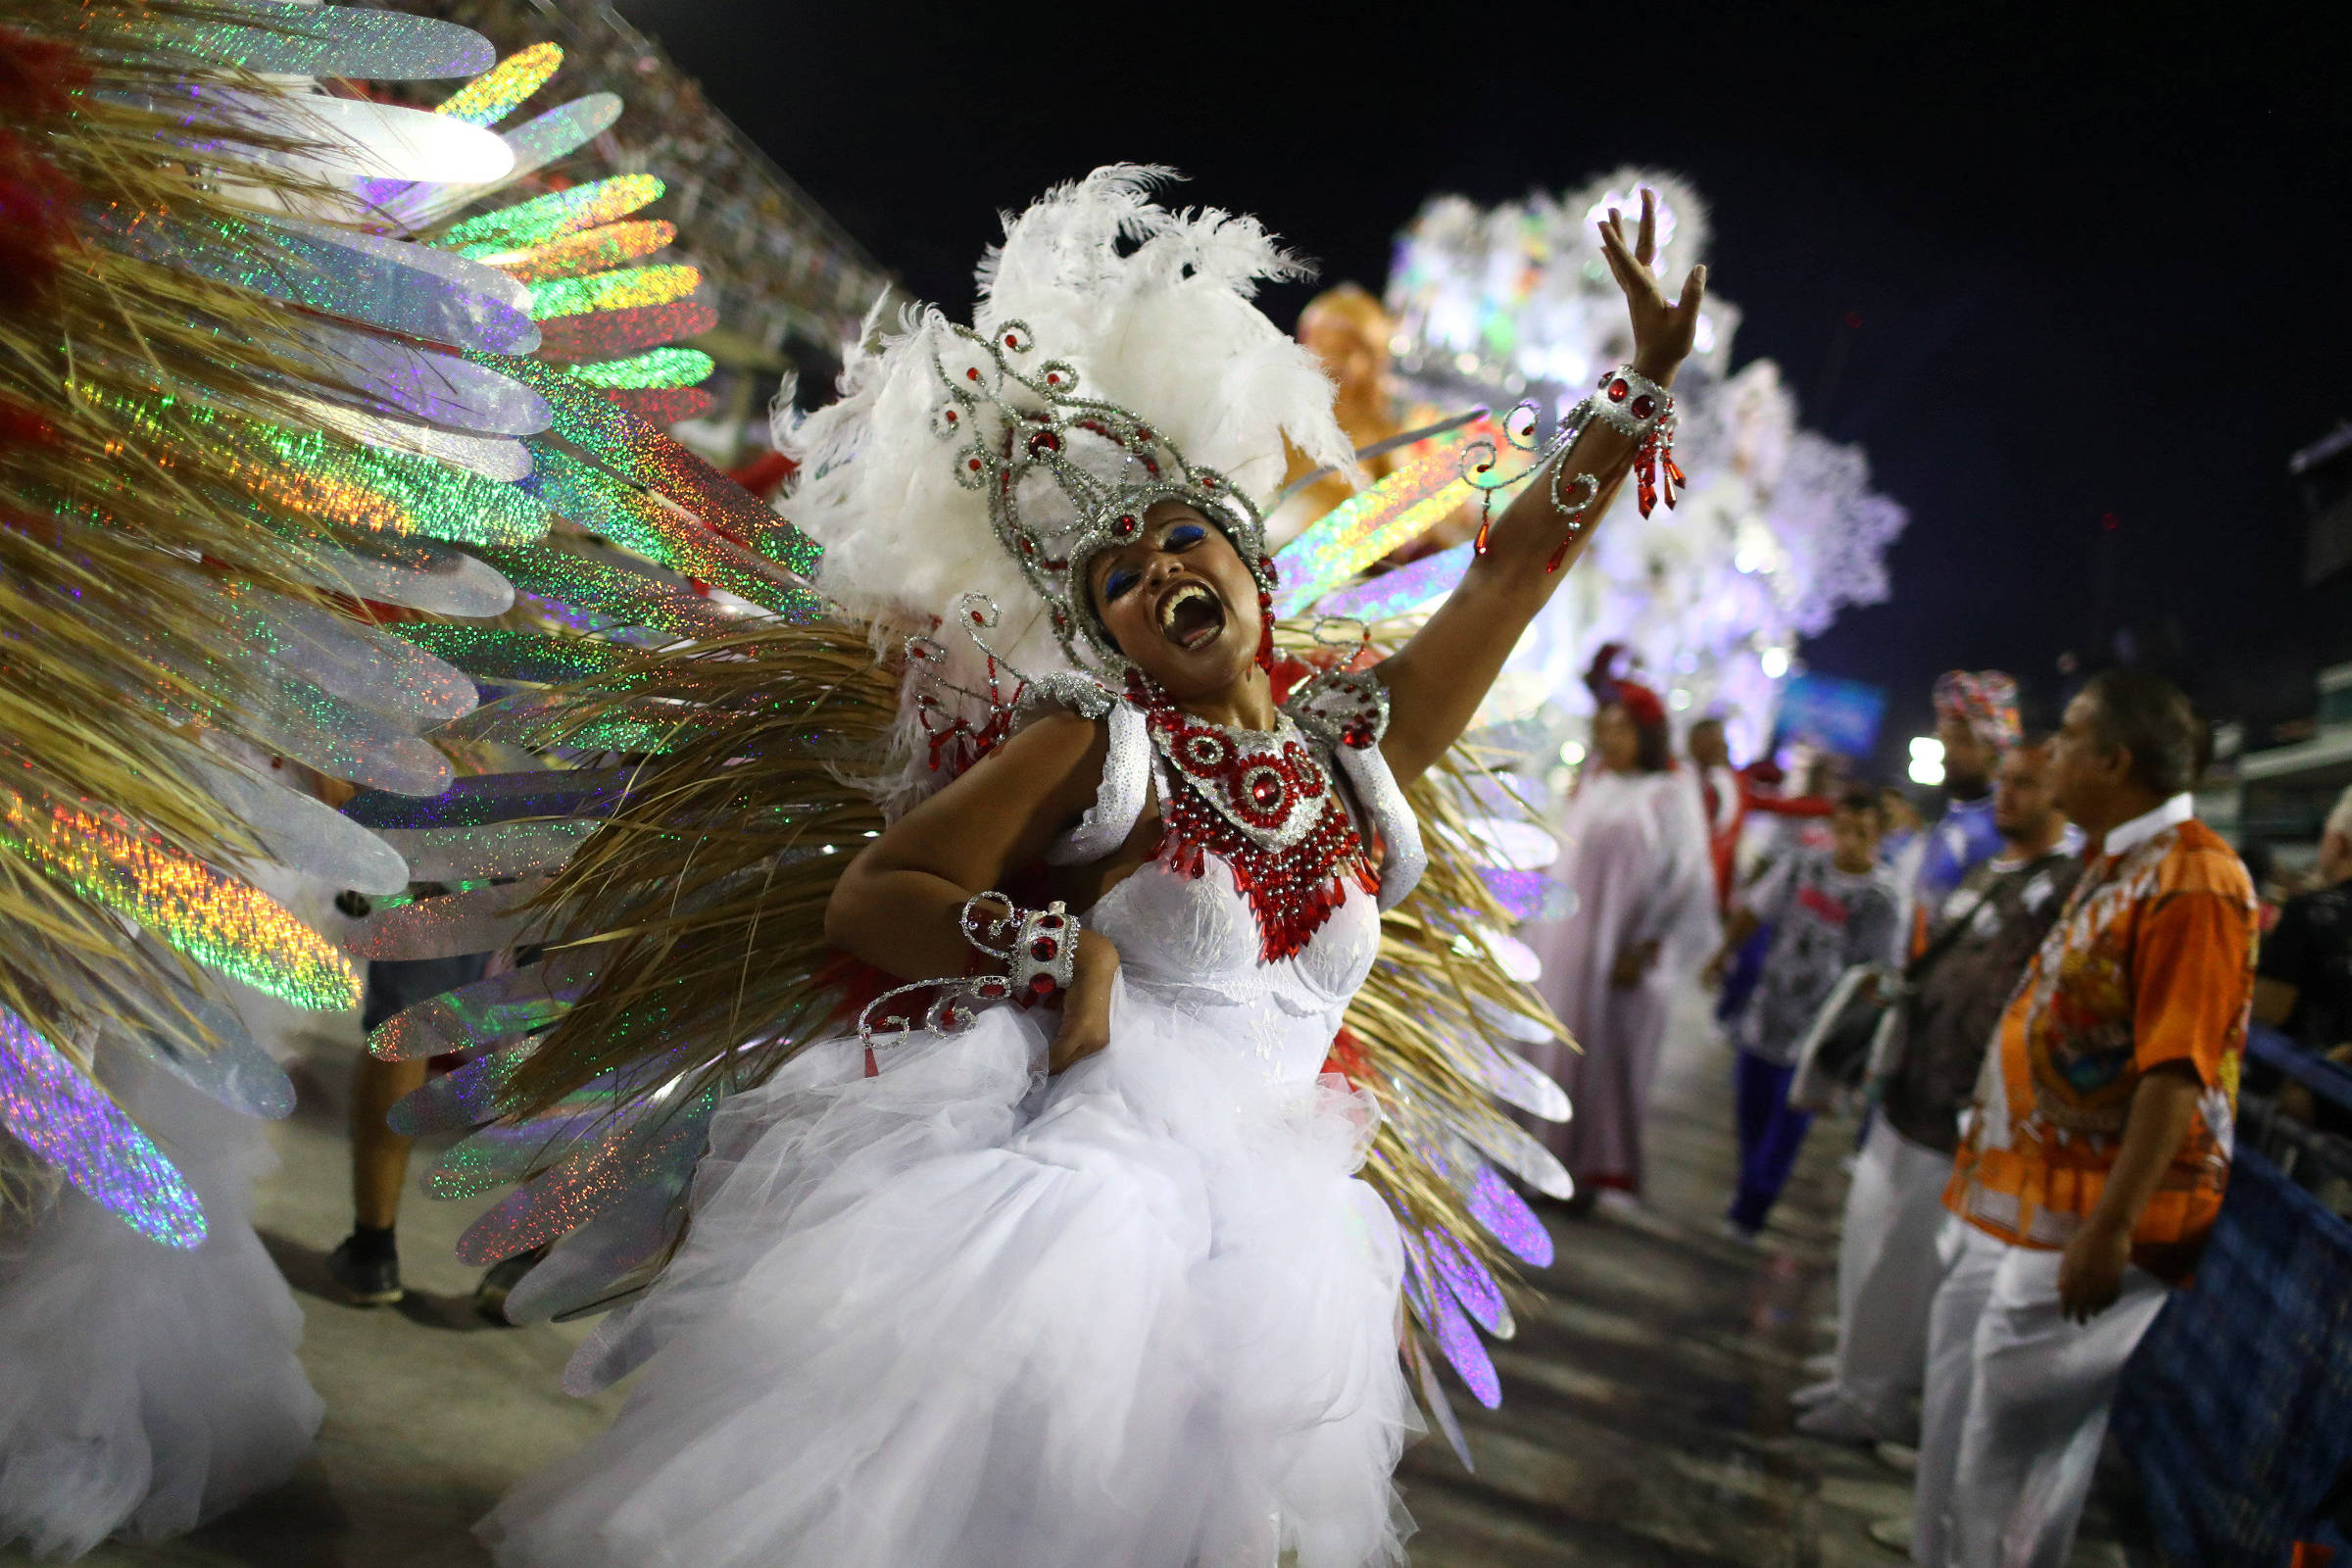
(1653, 744)
(1861, 799)
(2148, 716)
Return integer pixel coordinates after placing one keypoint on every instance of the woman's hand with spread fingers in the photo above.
(1663, 332)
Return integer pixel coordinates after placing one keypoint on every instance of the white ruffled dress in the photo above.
(145, 1390)
(1139, 1315)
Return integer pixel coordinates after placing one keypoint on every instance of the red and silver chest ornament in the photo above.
(1266, 806)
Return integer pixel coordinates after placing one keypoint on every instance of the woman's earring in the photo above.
(1265, 631)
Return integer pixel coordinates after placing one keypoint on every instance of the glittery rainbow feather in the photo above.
(1376, 522)
(54, 1110)
(267, 418)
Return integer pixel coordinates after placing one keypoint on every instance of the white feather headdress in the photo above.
(1151, 308)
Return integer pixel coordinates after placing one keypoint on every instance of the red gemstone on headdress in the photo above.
(1042, 985)
(1052, 378)
(1044, 441)
(1618, 390)
(972, 374)
(1012, 340)
(950, 415)
(993, 990)
(1643, 406)
(1043, 949)
(973, 464)
(1028, 546)
(978, 619)
(1125, 527)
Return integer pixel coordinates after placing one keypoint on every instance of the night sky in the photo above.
(2087, 262)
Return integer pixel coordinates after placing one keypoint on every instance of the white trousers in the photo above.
(2016, 1404)
(1887, 1272)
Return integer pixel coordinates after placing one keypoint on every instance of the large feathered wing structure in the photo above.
(244, 419)
(170, 444)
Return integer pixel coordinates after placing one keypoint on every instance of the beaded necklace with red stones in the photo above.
(1265, 805)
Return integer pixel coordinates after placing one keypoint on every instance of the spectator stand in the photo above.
(786, 283)
(2237, 1410)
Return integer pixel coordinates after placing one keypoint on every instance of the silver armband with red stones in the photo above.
(1638, 406)
(1631, 403)
(1626, 402)
(1039, 946)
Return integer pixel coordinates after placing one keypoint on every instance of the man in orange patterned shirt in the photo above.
(2098, 1145)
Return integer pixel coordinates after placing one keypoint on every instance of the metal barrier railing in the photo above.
(2237, 1410)
(2327, 1079)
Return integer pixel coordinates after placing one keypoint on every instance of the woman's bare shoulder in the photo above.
(1057, 736)
(1060, 754)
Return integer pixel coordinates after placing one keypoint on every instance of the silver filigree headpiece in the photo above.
(1069, 477)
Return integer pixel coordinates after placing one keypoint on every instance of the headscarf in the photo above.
(1985, 700)
(1640, 702)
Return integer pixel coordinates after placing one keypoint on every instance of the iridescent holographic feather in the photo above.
(73, 1125)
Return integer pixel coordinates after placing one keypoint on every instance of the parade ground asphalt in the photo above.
(1645, 1416)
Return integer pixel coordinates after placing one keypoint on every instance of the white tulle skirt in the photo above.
(145, 1390)
(1137, 1316)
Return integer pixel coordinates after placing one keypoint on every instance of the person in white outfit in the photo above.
(2098, 1145)
(1019, 1291)
(1976, 723)
(145, 1388)
(1887, 1264)
(1634, 851)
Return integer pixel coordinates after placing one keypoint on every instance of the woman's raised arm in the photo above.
(1437, 680)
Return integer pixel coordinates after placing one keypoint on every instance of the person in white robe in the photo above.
(1635, 855)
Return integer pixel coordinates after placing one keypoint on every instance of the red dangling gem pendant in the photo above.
(1655, 475)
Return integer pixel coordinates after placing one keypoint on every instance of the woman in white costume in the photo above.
(1092, 1283)
(1634, 851)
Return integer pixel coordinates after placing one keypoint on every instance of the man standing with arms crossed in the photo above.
(2098, 1145)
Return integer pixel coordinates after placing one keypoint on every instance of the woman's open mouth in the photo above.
(1191, 615)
